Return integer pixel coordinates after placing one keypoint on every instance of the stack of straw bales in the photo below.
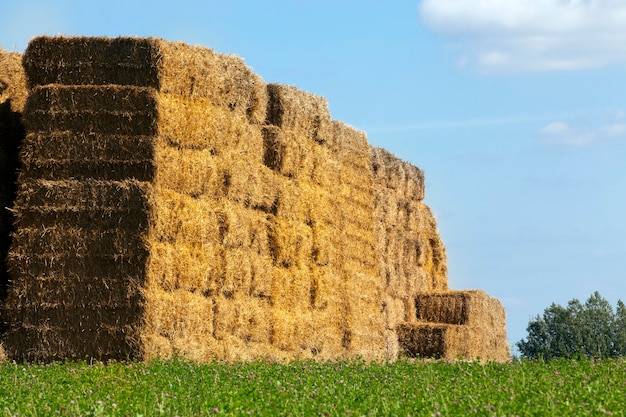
(12, 97)
(411, 255)
(158, 213)
(172, 203)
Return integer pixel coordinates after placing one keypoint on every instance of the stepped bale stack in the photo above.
(170, 202)
(456, 324)
(412, 258)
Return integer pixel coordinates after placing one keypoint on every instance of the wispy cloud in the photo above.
(459, 124)
(531, 35)
(515, 119)
(563, 134)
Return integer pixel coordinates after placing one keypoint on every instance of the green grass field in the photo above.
(180, 388)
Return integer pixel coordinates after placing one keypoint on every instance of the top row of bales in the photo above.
(171, 202)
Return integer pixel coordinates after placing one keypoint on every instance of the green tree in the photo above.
(596, 319)
(589, 329)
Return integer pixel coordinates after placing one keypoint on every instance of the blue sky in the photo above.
(515, 109)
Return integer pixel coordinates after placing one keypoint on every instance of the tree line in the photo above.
(593, 329)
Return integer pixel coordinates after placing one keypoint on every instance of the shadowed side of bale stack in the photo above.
(78, 256)
(12, 97)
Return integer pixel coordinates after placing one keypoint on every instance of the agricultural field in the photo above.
(309, 388)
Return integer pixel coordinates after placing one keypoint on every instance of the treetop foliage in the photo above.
(592, 329)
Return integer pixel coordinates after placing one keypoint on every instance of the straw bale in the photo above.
(26, 265)
(53, 288)
(79, 317)
(247, 272)
(192, 266)
(289, 153)
(291, 242)
(324, 251)
(179, 218)
(393, 311)
(250, 184)
(83, 195)
(198, 124)
(13, 90)
(226, 318)
(327, 334)
(245, 228)
(173, 68)
(470, 307)
(47, 343)
(439, 341)
(59, 155)
(291, 331)
(428, 340)
(392, 346)
(73, 99)
(293, 155)
(107, 170)
(255, 320)
(189, 123)
(178, 315)
(327, 290)
(350, 146)
(363, 295)
(177, 322)
(405, 179)
(201, 173)
(44, 203)
(60, 239)
(291, 288)
(303, 113)
(189, 171)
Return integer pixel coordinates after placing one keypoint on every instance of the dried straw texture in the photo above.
(411, 255)
(12, 80)
(169, 67)
(453, 324)
(143, 204)
(162, 217)
(326, 293)
(12, 97)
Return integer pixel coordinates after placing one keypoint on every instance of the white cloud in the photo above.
(531, 35)
(563, 134)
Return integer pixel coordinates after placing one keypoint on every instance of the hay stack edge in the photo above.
(170, 202)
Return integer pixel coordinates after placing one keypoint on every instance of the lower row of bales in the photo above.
(171, 203)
